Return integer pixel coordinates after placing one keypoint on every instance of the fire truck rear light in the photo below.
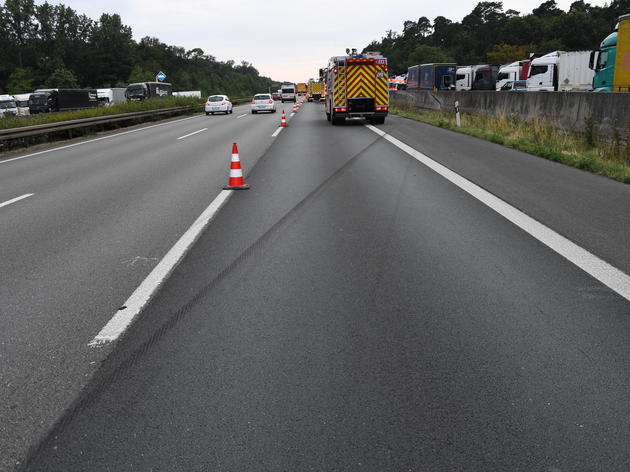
(340, 108)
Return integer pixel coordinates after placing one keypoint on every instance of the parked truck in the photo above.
(110, 96)
(512, 72)
(301, 88)
(21, 100)
(463, 78)
(561, 71)
(147, 90)
(484, 77)
(52, 100)
(613, 50)
(356, 86)
(477, 77)
(439, 76)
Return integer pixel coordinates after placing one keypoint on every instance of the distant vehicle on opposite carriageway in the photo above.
(188, 93)
(110, 96)
(147, 90)
(8, 105)
(53, 100)
(21, 100)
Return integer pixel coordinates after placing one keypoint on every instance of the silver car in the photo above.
(263, 102)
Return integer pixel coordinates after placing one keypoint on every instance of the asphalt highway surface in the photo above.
(353, 310)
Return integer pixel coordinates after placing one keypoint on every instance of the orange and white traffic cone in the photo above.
(283, 121)
(236, 181)
(295, 108)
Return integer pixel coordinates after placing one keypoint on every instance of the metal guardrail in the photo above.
(34, 130)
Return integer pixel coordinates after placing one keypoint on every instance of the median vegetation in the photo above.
(588, 151)
(10, 121)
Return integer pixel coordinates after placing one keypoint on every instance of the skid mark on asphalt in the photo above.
(111, 373)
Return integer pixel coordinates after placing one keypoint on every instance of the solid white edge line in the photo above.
(277, 132)
(150, 285)
(16, 199)
(193, 133)
(93, 140)
(291, 115)
(607, 274)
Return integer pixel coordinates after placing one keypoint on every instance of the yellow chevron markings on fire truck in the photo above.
(382, 92)
(340, 90)
(361, 81)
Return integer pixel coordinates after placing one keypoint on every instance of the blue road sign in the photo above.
(160, 76)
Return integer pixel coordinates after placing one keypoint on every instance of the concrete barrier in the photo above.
(567, 110)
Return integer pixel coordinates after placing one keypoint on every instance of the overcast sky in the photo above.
(282, 41)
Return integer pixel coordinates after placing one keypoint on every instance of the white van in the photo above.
(21, 100)
(287, 93)
(8, 105)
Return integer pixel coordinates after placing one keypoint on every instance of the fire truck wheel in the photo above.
(379, 120)
(328, 116)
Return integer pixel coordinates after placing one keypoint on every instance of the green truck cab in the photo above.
(611, 62)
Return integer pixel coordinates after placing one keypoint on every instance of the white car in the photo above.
(263, 102)
(218, 103)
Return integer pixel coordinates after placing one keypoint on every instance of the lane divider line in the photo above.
(291, 115)
(16, 199)
(277, 132)
(194, 132)
(94, 140)
(241, 116)
(607, 274)
(123, 318)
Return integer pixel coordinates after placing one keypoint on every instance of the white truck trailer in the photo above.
(188, 93)
(561, 71)
(108, 97)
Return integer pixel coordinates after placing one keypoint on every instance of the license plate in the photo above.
(215, 108)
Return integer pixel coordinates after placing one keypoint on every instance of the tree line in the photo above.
(491, 35)
(54, 46)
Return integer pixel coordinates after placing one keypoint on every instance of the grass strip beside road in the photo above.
(9, 122)
(607, 157)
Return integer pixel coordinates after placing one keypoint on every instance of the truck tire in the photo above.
(378, 120)
(336, 121)
(207, 113)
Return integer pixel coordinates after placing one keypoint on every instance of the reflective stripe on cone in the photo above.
(236, 181)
